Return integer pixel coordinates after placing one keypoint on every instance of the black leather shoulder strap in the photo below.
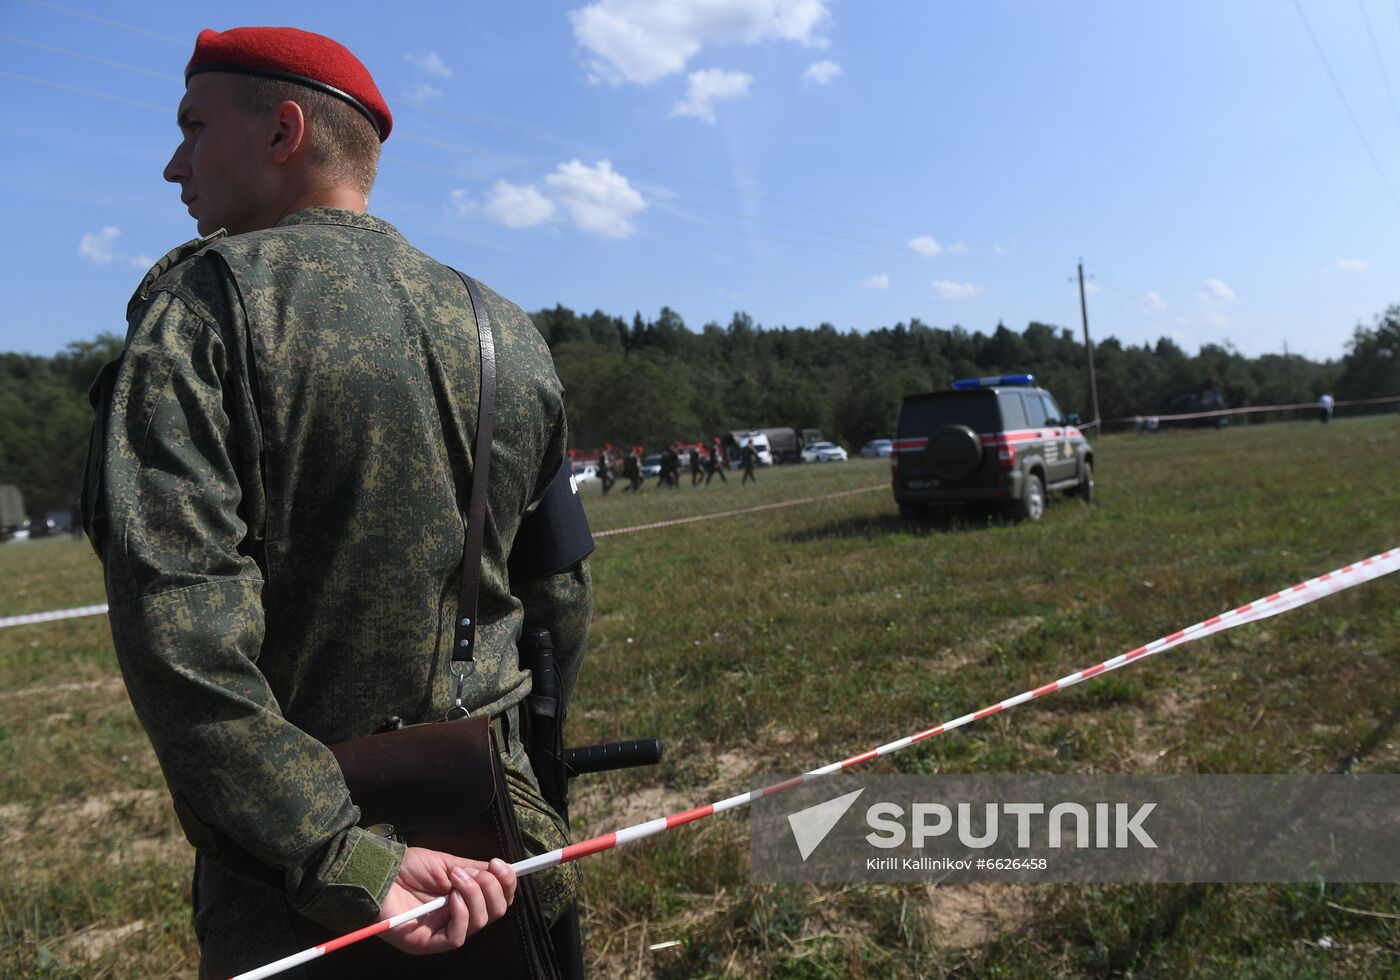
(464, 642)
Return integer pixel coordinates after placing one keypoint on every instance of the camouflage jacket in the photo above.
(277, 486)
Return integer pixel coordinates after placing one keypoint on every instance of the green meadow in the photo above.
(785, 638)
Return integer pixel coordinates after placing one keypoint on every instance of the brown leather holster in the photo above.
(442, 787)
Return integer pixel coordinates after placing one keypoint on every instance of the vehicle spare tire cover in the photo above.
(953, 452)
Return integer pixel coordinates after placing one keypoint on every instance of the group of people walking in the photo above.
(703, 462)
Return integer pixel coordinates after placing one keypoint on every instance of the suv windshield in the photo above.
(975, 409)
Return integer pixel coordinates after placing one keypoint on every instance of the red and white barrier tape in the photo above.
(46, 617)
(734, 513)
(1271, 605)
(1250, 410)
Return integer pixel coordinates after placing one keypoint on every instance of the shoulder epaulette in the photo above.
(169, 261)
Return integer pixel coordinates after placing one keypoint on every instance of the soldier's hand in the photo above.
(480, 894)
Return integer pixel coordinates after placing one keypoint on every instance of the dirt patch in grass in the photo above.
(92, 942)
(964, 916)
(596, 806)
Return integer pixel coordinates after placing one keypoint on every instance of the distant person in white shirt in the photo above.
(1324, 408)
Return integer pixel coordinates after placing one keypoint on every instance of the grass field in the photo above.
(788, 638)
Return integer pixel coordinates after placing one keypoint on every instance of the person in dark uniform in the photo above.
(671, 467)
(605, 468)
(750, 458)
(632, 470)
(716, 463)
(695, 475)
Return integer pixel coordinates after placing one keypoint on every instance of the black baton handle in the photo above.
(612, 755)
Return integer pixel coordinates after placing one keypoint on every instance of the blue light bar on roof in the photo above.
(997, 380)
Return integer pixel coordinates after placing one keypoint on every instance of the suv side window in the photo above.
(1054, 416)
(1041, 409)
(1013, 410)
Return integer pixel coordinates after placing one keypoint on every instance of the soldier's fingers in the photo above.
(506, 874)
(464, 882)
(459, 919)
(493, 894)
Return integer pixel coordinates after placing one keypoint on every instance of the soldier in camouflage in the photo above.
(277, 486)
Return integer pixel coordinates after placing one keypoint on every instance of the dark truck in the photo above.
(1001, 441)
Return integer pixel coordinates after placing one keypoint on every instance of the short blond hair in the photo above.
(343, 142)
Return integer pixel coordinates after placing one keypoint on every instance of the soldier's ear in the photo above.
(289, 132)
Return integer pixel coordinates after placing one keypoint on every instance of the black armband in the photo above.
(556, 536)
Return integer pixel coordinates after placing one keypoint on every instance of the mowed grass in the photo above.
(787, 638)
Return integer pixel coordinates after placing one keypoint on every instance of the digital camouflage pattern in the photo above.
(277, 487)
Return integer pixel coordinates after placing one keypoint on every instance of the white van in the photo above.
(760, 444)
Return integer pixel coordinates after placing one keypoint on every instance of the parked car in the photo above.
(823, 452)
(651, 464)
(585, 472)
(877, 448)
(1002, 441)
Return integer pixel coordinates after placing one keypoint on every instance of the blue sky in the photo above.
(801, 160)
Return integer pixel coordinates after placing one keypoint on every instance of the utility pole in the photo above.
(1088, 346)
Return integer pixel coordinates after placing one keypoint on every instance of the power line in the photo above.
(1355, 123)
(86, 91)
(1380, 62)
(182, 42)
(87, 57)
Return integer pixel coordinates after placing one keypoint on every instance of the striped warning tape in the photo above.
(1270, 605)
(100, 610)
(735, 513)
(47, 617)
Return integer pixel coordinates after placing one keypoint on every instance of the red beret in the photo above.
(313, 60)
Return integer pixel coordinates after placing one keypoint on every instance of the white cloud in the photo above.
(925, 245)
(97, 245)
(954, 290)
(431, 64)
(957, 248)
(1217, 291)
(640, 41)
(708, 87)
(517, 206)
(1353, 265)
(420, 93)
(599, 199)
(1155, 303)
(881, 280)
(462, 204)
(821, 73)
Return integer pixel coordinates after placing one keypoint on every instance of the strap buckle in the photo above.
(458, 709)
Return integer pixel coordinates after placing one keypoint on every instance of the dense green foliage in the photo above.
(654, 381)
(45, 420)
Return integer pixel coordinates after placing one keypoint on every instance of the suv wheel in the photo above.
(1085, 490)
(1032, 502)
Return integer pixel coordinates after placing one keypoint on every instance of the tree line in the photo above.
(651, 382)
